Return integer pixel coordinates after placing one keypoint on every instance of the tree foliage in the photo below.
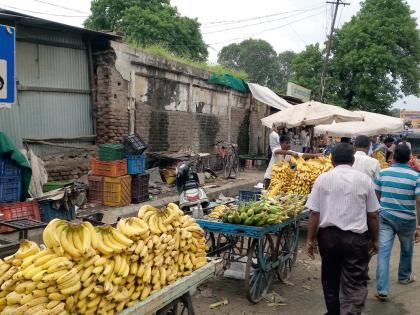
(149, 22)
(256, 57)
(285, 69)
(376, 56)
(307, 67)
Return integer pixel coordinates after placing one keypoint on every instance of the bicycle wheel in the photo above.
(227, 167)
(235, 164)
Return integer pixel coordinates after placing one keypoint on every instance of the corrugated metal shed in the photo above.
(53, 83)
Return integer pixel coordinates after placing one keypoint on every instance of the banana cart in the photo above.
(175, 298)
(268, 252)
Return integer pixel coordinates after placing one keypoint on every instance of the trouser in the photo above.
(267, 182)
(388, 227)
(345, 257)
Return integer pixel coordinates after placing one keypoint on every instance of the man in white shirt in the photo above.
(362, 162)
(274, 139)
(282, 152)
(344, 206)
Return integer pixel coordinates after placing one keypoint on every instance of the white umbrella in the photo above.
(373, 124)
(310, 114)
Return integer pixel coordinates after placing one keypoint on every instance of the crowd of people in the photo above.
(356, 210)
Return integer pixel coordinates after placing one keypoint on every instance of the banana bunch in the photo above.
(102, 270)
(218, 212)
(281, 178)
(380, 156)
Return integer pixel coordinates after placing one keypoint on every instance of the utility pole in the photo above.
(328, 49)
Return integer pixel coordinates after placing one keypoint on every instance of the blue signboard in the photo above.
(7, 65)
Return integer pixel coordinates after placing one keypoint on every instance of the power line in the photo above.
(297, 34)
(60, 6)
(222, 23)
(253, 24)
(43, 13)
(266, 30)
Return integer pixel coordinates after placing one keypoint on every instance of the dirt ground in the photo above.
(303, 292)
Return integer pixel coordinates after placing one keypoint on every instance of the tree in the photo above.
(286, 71)
(256, 57)
(376, 56)
(307, 66)
(150, 22)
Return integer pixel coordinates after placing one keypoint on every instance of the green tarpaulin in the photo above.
(7, 147)
(228, 80)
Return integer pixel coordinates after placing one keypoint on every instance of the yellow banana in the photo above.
(72, 289)
(66, 240)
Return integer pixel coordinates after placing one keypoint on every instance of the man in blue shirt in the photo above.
(398, 189)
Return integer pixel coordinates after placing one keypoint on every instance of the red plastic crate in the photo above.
(96, 189)
(108, 168)
(18, 210)
(117, 191)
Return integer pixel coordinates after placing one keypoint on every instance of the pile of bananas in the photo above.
(300, 181)
(266, 211)
(282, 177)
(380, 156)
(307, 172)
(102, 270)
(218, 212)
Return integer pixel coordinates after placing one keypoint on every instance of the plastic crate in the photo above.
(48, 212)
(111, 152)
(134, 145)
(140, 188)
(109, 168)
(117, 191)
(96, 189)
(56, 185)
(18, 210)
(136, 164)
(248, 196)
(8, 167)
(10, 188)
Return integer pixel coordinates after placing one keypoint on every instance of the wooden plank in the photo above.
(173, 291)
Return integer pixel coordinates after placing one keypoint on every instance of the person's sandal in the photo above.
(410, 279)
(382, 297)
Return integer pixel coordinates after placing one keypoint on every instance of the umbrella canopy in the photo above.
(310, 114)
(373, 124)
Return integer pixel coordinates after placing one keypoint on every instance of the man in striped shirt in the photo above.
(398, 189)
(344, 206)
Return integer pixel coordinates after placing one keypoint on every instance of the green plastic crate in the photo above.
(111, 152)
(56, 185)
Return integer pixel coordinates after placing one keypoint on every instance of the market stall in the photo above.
(372, 125)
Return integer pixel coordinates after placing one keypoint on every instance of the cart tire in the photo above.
(287, 247)
(181, 306)
(258, 276)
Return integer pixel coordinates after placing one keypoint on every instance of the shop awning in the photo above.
(268, 97)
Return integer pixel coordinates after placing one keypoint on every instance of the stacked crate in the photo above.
(134, 149)
(108, 181)
(10, 194)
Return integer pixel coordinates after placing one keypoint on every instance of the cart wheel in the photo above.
(258, 273)
(287, 246)
(181, 306)
(233, 248)
(210, 241)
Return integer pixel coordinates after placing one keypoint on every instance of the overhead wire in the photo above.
(43, 13)
(254, 24)
(60, 6)
(222, 23)
(266, 30)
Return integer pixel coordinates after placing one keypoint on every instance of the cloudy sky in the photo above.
(286, 24)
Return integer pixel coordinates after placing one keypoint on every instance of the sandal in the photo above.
(410, 279)
(382, 297)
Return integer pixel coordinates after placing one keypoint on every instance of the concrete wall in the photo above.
(173, 106)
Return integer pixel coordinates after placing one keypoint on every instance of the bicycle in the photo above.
(228, 153)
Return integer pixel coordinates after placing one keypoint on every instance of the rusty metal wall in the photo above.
(53, 92)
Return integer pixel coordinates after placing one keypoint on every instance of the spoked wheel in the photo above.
(181, 306)
(210, 241)
(258, 272)
(231, 165)
(287, 247)
(233, 248)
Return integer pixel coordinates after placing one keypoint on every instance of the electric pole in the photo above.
(328, 49)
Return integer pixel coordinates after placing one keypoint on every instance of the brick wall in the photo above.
(62, 167)
(175, 106)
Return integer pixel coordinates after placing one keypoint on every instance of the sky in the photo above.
(286, 24)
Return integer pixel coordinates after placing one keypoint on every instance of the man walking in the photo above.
(344, 206)
(363, 162)
(274, 142)
(398, 189)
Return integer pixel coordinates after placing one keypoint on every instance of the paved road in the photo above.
(304, 294)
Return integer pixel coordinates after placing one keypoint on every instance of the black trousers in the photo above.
(345, 258)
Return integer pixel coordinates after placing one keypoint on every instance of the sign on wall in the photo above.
(412, 117)
(7, 66)
(298, 91)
